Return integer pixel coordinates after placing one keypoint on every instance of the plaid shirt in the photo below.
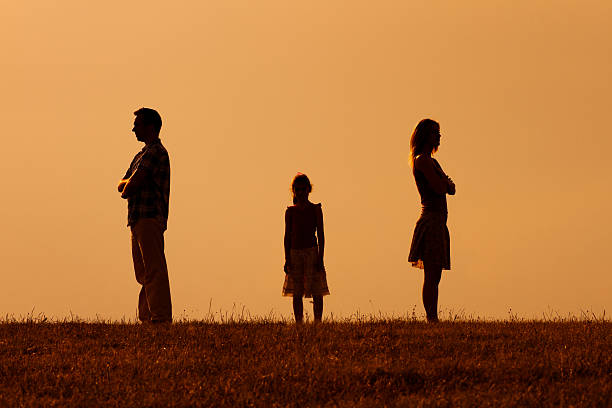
(153, 198)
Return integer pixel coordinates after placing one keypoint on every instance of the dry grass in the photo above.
(362, 363)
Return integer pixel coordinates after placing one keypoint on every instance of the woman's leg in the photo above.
(430, 292)
(298, 308)
(317, 307)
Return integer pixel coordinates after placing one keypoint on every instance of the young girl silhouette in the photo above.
(430, 248)
(304, 245)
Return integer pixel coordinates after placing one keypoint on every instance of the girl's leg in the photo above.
(317, 307)
(298, 308)
(430, 292)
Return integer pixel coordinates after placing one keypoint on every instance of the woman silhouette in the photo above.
(430, 248)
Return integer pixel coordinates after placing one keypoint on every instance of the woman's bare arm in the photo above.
(451, 186)
(425, 164)
(450, 189)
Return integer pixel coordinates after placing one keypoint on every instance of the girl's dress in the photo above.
(431, 239)
(306, 277)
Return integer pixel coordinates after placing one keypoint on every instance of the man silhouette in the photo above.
(146, 186)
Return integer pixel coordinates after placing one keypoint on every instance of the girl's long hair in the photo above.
(421, 139)
(302, 180)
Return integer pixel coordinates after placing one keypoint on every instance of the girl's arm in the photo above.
(320, 236)
(287, 240)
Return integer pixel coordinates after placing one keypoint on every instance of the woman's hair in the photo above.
(300, 180)
(421, 139)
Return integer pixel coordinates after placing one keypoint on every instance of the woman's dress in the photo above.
(431, 240)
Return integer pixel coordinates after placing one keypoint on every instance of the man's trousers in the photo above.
(154, 302)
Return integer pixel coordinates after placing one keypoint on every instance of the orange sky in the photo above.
(251, 93)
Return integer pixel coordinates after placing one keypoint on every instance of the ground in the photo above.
(368, 363)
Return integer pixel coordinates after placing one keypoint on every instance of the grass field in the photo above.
(367, 363)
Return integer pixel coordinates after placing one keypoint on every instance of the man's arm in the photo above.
(122, 184)
(133, 183)
(147, 164)
(125, 178)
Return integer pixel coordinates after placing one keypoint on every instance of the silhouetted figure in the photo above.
(430, 248)
(304, 246)
(146, 186)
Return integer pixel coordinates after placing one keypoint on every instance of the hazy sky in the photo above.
(253, 92)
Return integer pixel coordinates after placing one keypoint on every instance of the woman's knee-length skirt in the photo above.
(306, 277)
(430, 242)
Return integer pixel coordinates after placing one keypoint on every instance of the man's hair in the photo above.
(150, 117)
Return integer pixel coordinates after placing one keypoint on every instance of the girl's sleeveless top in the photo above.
(304, 225)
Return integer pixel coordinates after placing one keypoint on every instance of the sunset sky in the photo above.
(252, 92)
